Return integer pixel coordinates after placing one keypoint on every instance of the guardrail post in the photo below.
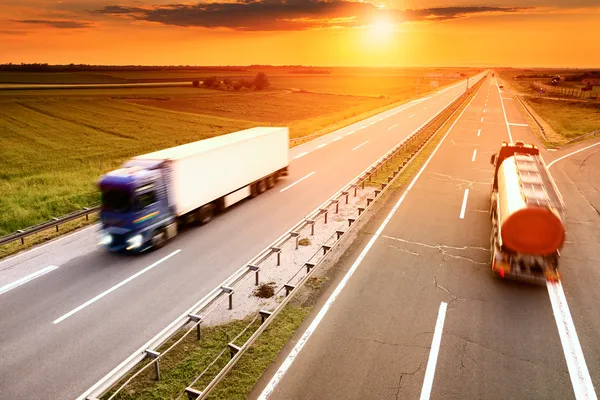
(288, 289)
(228, 290)
(233, 349)
(192, 394)
(360, 210)
(363, 183)
(377, 192)
(278, 251)
(22, 238)
(337, 205)
(345, 194)
(326, 248)
(264, 314)
(383, 185)
(325, 211)
(369, 200)
(351, 221)
(339, 234)
(296, 235)
(309, 266)
(56, 219)
(255, 268)
(312, 226)
(154, 355)
(197, 319)
(87, 216)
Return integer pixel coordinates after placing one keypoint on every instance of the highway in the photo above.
(414, 312)
(70, 312)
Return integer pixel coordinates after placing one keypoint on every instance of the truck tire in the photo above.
(159, 238)
(205, 214)
(270, 181)
(262, 185)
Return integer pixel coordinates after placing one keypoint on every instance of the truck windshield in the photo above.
(116, 200)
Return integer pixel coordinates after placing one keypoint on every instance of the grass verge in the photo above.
(187, 360)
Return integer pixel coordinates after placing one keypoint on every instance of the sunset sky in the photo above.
(542, 33)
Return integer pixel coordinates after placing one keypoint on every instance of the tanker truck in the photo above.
(146, 200)
(527, 214)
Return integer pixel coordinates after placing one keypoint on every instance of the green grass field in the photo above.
(55, 144)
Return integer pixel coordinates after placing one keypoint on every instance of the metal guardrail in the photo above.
(542, 130)
(54, 222)
(227, 288)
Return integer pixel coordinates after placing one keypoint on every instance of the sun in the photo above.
(381, 28)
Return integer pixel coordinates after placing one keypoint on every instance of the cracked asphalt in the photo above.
(500, 339)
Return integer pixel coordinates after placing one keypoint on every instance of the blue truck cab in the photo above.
(135, 207)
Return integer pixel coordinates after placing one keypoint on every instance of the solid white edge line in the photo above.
(464, 204)
(433, 352)
(504, 112)
(297, 182)
(27, 278)
(300, 155)
(360, 145)
(309, 331)
(573, 153)
(392, 127)
(112, 289)
(516, 124)
(474, 155)
(583, 387)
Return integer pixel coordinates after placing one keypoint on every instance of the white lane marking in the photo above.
(373, 123)
(464, 204)
(505, 118)
(336, 139)
(573, 153)
(297, 182)
(481, 119)
(321, 146)
(580, 376)
(350, 133)
(301, 155)
(515, 124)
(118, 285)
(392, 127)
(315, 323)
(424, 108)
(433, 353)
(479, 132)
(360, 145)
(27, 278)
(411, 116)
(484, 110)
(474, 155)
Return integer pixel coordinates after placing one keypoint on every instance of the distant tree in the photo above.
(227, 81)
(245, 83)
(237, 86)
(261, 81)
(196, 83)
(210, 81)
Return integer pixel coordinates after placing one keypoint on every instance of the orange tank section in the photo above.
(529, 224)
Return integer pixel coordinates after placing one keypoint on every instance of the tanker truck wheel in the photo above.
(270, 181)
(262, 185)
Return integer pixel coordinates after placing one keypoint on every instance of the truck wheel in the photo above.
(254, 190)
(270, 181)
(205, 214)
(159, 238)
(262, 185)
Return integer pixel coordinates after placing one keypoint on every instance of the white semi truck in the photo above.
(145, 201)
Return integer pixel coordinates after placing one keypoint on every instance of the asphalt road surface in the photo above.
(423, 293)
(80, 311)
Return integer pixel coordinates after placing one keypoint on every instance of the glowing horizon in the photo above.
(531, 33)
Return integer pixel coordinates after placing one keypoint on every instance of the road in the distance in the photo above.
(64, 330)
(499, 340)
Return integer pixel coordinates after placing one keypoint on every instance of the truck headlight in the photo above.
(105, 239)
(134, 242)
